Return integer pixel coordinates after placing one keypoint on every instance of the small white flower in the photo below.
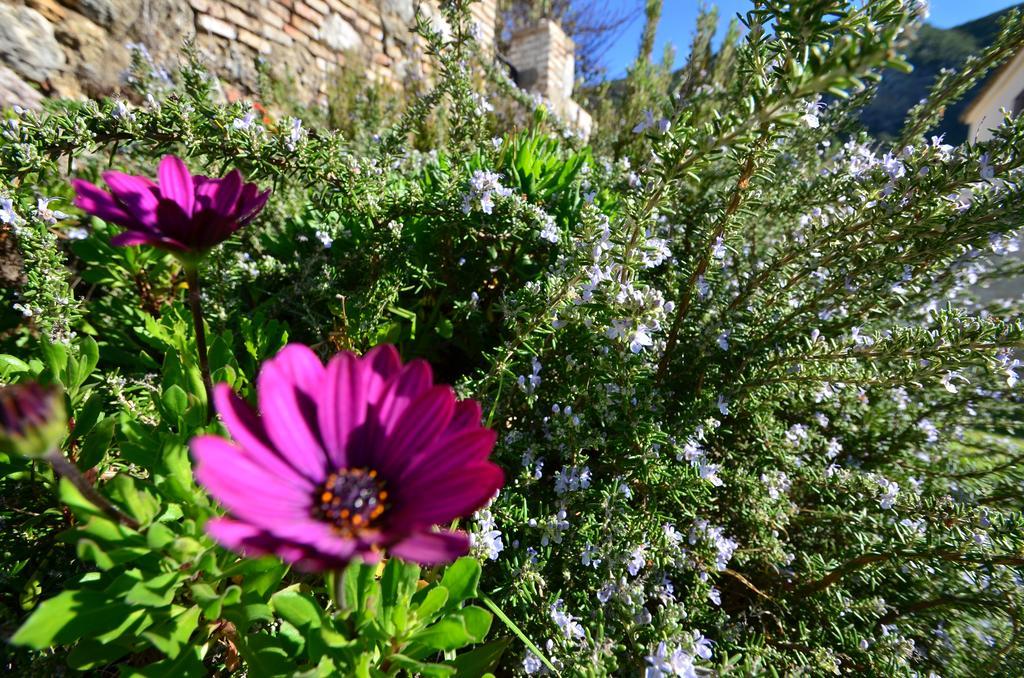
(7, 213)
(245, 122)
(47, 215)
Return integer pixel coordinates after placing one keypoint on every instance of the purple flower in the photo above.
(32, 419)
(346, 461)
(182, 213)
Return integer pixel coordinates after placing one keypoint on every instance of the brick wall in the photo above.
(77, 48)
(543, 58)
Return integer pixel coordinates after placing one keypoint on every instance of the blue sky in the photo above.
(679, 17)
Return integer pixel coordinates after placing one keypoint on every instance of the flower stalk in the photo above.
(196, 306)
(65, 468)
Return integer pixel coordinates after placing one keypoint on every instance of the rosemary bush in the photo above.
(756, 410)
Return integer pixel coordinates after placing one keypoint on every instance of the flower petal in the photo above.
(89, 198)
(382, 363)
(432, 548)
(225, 193)
(300, 366)
(248, 431)
(174, 223)
(414, 380)
(449, 454)
(249, 207)
(289, 414)
(246, 489)
(467, 415)
(176, 183)
(433, 499)
(128, 238)
(341, 409)
(138, 194)
(311, 554)
(417, 428)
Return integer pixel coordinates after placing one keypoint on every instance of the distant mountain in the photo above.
(934, 49)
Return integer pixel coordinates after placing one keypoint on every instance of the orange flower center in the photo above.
(351, 499)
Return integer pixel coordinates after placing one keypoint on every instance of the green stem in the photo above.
(518, 632)
(194, 302)
(64, 468)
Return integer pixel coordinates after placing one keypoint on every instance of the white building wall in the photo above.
(986, 112)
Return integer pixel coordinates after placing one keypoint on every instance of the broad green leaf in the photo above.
(155, 591)
(88, 414)
(175, 401)
(11, 365)
(358, 587)
(398, 582)
(449, 633)
(477, 621)
(172, 636)
(69, 616)
(88, 357)
(418, 668)
(96, 443)
(300, 609)
(132, 493)
(188, 664)
(482, 660)
(56, 357)
(89, 653)
(433, 602)
(265, 655)
(159, 535)
(207, 598)
(461, 579)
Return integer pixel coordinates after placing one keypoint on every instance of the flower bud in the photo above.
(32, 419)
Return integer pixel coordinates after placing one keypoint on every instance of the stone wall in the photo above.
(80, 47)
(543, 59)
(75, 48)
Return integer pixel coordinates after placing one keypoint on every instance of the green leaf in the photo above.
(171, 637)
(262, 575)
(96, 443)
(56, 357)
(299, 609)
(448, 634)
(175, 401)
(207, 598)
(482, 660)
(88, 357)
(158, 536)
(69, 616)
(418, 668)
(445, 328)
(398, 582)
(358, 588)
(88, 414)
(89, 653)
(518, 632)
(433, 602)
(11, 365)
(155, 591)
(461, 579)
(79, 505)
(265, 655)
(477, 621)
(189, 664)
(131, 492)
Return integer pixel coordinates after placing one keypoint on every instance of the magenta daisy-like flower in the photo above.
(181, 213)
(362, 456)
